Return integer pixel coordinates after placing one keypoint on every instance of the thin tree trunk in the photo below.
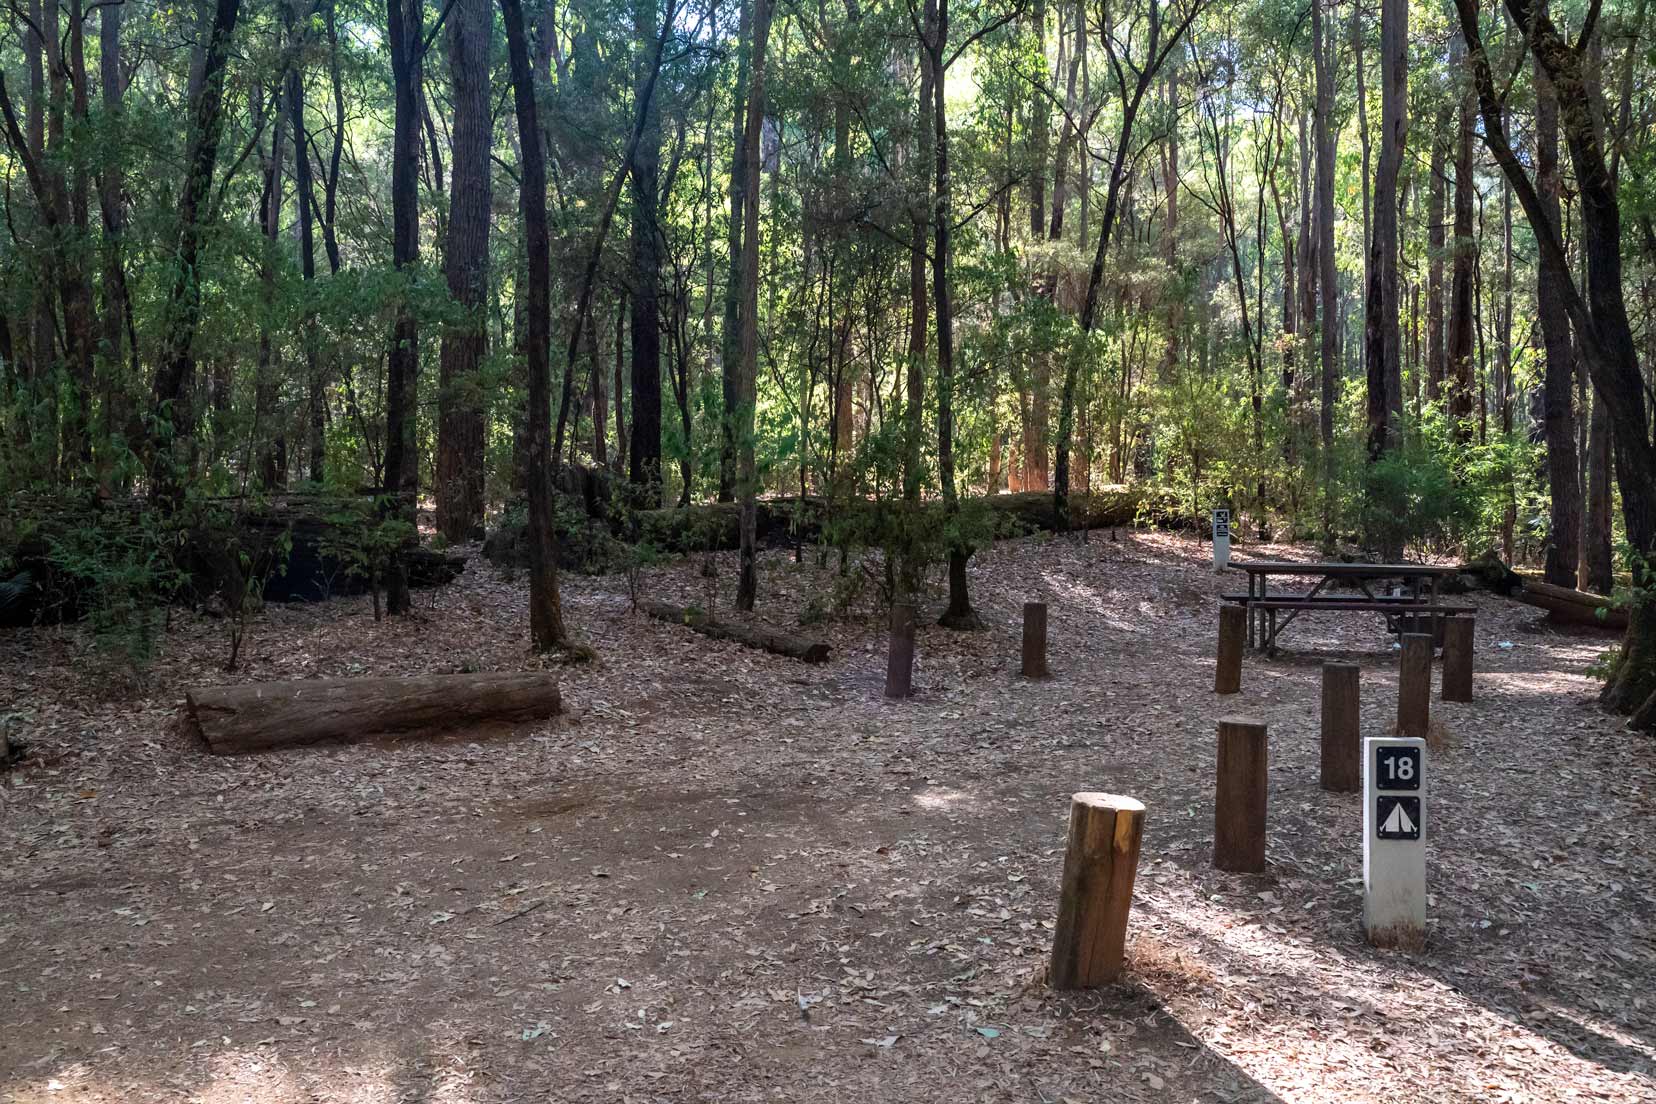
(730, 367)
(1382, 345)
(747, 475)
(644, 460)
(546, 623)
(406, 21)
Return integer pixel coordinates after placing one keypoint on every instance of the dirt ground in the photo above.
(727, 876)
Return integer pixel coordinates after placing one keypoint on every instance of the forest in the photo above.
(1375, 277)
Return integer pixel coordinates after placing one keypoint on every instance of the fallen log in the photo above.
(747, 633)
(259, 716)
(1577, 607)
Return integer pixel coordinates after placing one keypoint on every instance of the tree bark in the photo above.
(261, 716)
(1382, 339)
(1458, 383)
(1558, 386)
(460, 398)
(644, 461)
(405, 20)
(747, 475)
(546, 623)
(1328, 275)
(172, 424)
(730, 354)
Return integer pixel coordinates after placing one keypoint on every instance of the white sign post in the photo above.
(1221, 539)
(1394, 841)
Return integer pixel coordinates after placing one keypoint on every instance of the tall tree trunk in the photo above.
(1382, 344)
(1435, 244)
(546, 623)
(644, 462)
(117, 301)
(1040, 127)
(406, 21)
(747, 474)
(959, 614)
(305, 187)
(730, 349)
(460, 398)
(1463, 252)
(172, 424)
(1558, 387)
(270, 440)
(1328, 278)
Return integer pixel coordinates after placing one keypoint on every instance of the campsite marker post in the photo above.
(1394, 841)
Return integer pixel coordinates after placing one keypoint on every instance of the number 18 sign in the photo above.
(1394, 840)
(1221, 539)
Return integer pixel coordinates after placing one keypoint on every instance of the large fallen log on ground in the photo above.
(1577, 607)
(748, 633)
(258, 716)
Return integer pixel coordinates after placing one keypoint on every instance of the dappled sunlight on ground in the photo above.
(725, 876)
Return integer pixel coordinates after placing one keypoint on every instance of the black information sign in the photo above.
(1398, 818)
(1396, 768)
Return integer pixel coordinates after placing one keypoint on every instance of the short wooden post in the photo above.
(1342, 741)
(1414, 685)
(1239, 796)
(1457, 659)
(1035, 640)
(1233, 629)
(900, 655)
(1099, 866)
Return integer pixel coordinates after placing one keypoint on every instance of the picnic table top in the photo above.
(1349, 570)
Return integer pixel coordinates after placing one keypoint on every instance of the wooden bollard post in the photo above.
(1099, 865)
(1035, 640)
(1239, 796)
(900, 655)
(1342, 740)
(1414, 685)
(1457, 659)
(1233, 631)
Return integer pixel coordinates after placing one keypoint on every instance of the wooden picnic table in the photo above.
(1418, 585)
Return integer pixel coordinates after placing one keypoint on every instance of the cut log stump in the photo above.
(1342, 738)
(260, 716)
(1233, 631)
(1414, 685)
(1035, 640)
(900, 653)
(1457, 659)
(1239, 796)
(1100, 863)
(748, 634)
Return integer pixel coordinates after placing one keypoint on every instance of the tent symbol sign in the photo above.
(1398, 817)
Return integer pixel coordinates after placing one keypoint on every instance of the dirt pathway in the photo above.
(730, 877)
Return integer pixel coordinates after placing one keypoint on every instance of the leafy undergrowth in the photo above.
(726, 876)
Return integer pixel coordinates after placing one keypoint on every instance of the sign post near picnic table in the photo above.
(1394, 841)
(1221, 538)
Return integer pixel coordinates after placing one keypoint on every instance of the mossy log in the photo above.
(749, 634)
